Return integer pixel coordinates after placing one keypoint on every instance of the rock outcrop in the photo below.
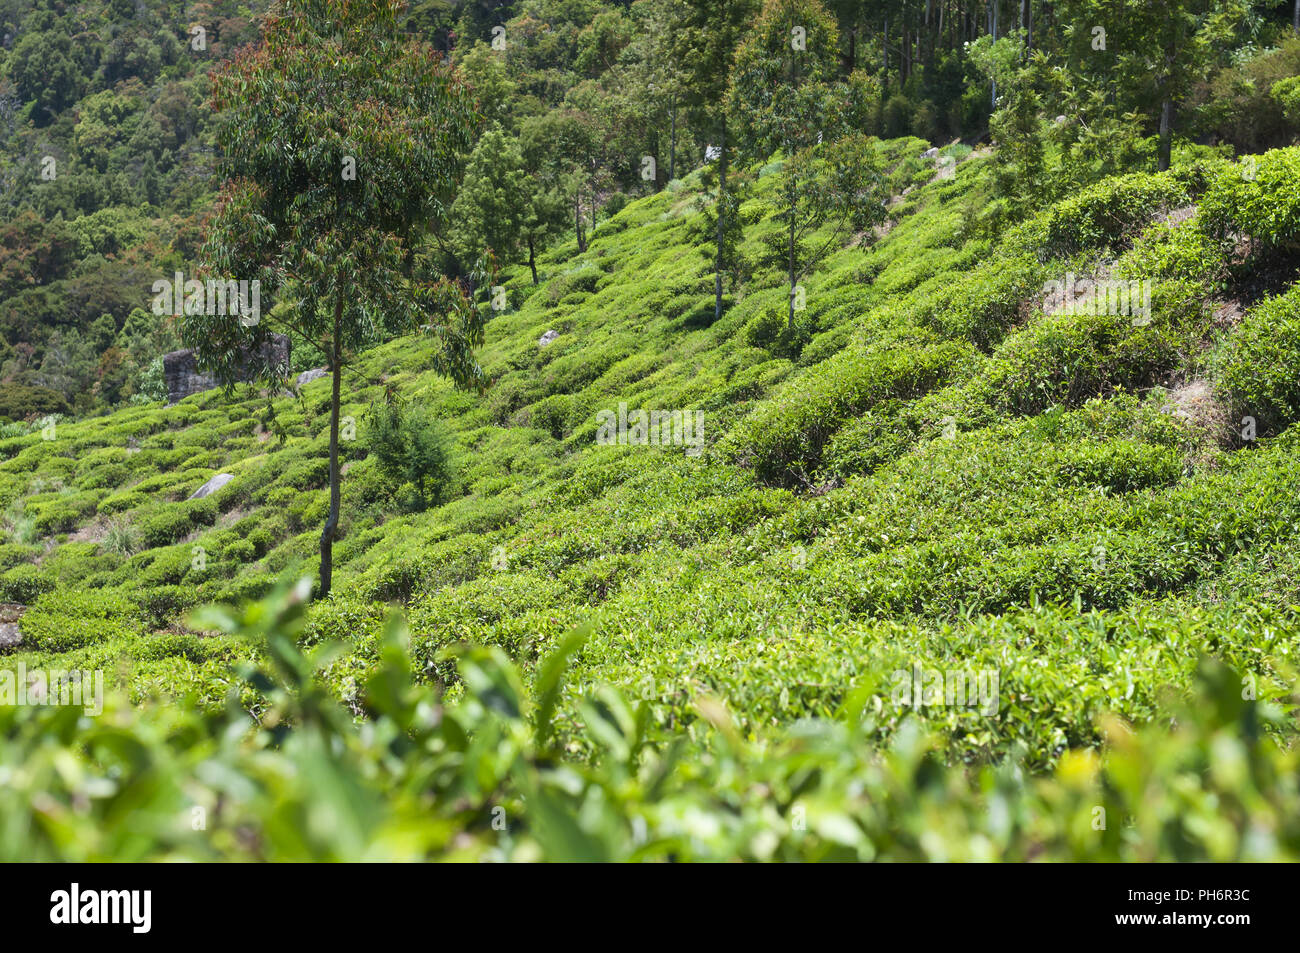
(182, 376)
(10, 635)
(216, 483)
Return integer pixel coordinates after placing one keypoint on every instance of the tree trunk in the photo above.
(722, 210)
(993, 30)
(1029, 27)
(672, 149)
(655, 186)
(793, 210)
(332, 521)
(884, 68)
(933, 29)
(919, 30)
(577, 220)
(1166, 133)
(532, 259)
(903, 50)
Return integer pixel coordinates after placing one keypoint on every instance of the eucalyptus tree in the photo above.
(342, 138)
(1149, 57)
(785, 99)
(706, 35)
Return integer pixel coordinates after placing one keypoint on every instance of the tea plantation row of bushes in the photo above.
(930, 470)
(483, 777)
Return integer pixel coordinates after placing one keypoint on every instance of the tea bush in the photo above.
(66, 619)
(934, 472)
(411, 785)
(1110, 214)
(1259, 369)
(783, 439)
(1259, 199)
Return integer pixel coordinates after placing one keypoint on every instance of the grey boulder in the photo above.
(10, 634)
(216, 483)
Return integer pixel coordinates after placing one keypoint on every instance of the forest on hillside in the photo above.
(109, 164)
(664, 430)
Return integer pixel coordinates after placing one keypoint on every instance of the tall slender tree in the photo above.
(341, 136)
(1149, 56)
(783, 102)
(708, 33)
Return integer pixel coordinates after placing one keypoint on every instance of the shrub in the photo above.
(23, 583)
(857, 798)
(310, 509)
(203, 512)
(874, 439)
(987, 301)
(66, 619)
(1242, 102)
(282, 496)
(172, 645)
(1259, 368)
(1259, 199)
(615, 204)
(783, 437)
(162, 605)
(581, 280)
(411, 445)
(18, 401)
(309, 474)
(123, 501)
(240, 551)
(173, 522)
(770, 329)
(1066, 358)
(551, 414)
(1111, 213)
(166, 566)
(1286, 93)
(1181, 252)
(897, 116)
(63, 514)
(15, 554)
(261, 539)
(165, 526)
(105, 476)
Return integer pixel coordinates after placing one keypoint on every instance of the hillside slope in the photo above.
(933, 471)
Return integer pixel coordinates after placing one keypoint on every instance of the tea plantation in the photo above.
(636, 652)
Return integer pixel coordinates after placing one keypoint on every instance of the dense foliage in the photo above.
(482, 778)
(109, 160)
(915, 457)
